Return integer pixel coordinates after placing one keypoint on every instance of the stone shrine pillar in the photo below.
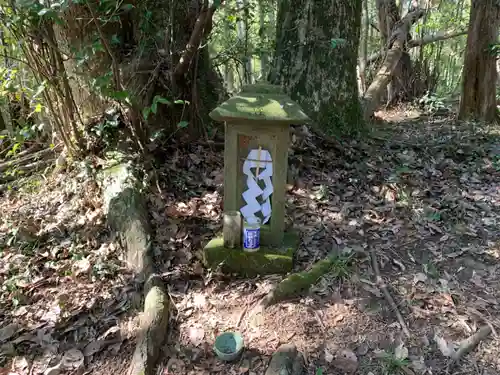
(257, 136)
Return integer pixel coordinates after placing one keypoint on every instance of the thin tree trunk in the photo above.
(228, 68)
(264, 56)
(478, 99)
(364, 47)
(242, 32)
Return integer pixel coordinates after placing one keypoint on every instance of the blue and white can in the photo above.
(251, 234)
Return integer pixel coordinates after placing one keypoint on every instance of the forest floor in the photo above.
(423, 193)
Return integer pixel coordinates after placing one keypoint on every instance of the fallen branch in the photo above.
(470, 343)
(437, 37)
(383, 288)
(24, 170)
(22, 153)
(428, 39)
(396, 47)
(12, 163)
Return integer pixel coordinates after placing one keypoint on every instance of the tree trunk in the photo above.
(316, 58)
(480, 75)
(398, 40)
(364, 48)
(264, 55)
(400, 87)
(242, 32)
(158, 55)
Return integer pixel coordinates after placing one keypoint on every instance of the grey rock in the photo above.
(287, 360)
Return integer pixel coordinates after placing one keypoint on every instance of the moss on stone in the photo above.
(263, 262)
(126, 213)
(260, 102)
(298, 282)
(262, 88)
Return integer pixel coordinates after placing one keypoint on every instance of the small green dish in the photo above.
(228, 346)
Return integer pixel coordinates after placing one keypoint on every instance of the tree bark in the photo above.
(364, 48)
(320, 76)
(384, 75)
(264, 55)
(242, 32)
(479, 76)
(400, 86)
(156, 46)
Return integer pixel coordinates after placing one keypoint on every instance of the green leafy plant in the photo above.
(393, 363)
(431, 103)
(341, 265)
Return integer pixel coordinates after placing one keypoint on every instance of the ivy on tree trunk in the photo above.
(316, 57)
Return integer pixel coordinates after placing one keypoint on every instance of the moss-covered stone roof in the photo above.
(261, 102)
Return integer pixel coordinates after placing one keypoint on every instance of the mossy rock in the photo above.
(266, 261)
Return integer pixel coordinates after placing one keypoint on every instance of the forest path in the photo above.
(422, 192)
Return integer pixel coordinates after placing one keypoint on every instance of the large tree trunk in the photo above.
(480, 75)
(316, 73)
(157, 55)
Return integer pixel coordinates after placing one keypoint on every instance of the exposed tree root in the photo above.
(296, 283)
(470, 344)
(383, 287)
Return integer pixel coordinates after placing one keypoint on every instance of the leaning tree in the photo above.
(315, 60)
(478, 99)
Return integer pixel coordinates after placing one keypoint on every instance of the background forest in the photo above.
(106, 144)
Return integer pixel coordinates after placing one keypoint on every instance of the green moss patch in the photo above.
(299, 282)
(266, 261)
(261, 102)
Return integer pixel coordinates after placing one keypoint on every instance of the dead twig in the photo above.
(470, 344)
(383, 287)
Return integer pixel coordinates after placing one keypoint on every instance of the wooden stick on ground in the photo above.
(470, 343)
(383, 287)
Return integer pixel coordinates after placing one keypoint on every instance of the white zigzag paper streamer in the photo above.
(263, 161)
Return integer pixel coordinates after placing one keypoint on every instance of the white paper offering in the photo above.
(258, 161)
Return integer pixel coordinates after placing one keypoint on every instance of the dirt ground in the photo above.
(423, 193)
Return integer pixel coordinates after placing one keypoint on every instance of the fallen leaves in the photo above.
(446, 349)
(8, 331)
(64, 281)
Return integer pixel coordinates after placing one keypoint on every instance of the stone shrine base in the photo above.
(265, 261)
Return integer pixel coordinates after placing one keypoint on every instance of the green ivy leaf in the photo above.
(338, 42)
(180, 101)
(145, 112)
(115, 40)
(161, 100)
(183, 124)
(127, 7)
(118, 95)
(154, 107)
(44, 11)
